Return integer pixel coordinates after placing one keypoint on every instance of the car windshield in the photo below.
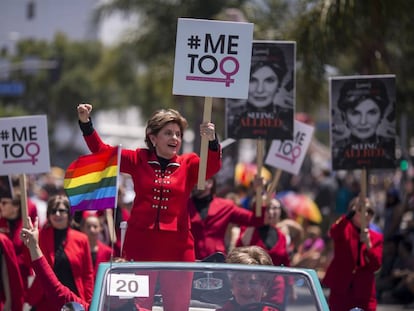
(211, 286)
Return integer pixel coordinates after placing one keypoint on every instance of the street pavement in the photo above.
(384, 306)
(392, 307)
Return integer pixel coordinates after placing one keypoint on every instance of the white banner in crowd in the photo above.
(288, 155)
(24, 145)
(212, 58)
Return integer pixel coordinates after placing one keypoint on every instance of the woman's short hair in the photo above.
(271, 56)
(355, 91)
(160, 119)
(249, 255)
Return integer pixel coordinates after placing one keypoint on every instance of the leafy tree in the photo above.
(336, 37)
(354, 37)
(83, 71)
(153, 40)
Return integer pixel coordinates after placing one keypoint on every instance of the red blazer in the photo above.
(124, 217)
(78, 253)
(352, 284)
(15, 280)
(278, 252)
(21, 251)
(103, 255)
(280, 257)
(55, 292)
(209, 233)
(31, 209)
(159, 213)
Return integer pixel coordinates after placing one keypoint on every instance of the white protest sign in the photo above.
(212, 58)
(24, 146)
(288, 155)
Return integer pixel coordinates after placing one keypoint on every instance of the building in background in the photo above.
(42, 19)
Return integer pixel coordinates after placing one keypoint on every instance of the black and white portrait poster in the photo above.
(268, 112)
(363, 122)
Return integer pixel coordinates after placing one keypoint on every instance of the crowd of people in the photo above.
(168, 210)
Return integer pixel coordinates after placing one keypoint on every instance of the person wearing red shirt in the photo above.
(68, 253)
(268, 236)
(11, 224)
(58, 294)
(11, 287)
(100, 252)
(117, 215)
(159, 226)
(210, 216)
(272, 239)
(351, 273)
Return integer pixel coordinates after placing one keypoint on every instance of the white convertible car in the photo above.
(214, 286)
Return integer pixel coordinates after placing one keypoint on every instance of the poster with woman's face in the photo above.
(268, 112)
(362, 122)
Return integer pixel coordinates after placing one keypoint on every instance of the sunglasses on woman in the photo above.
(60, 210)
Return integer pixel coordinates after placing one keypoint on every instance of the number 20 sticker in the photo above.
(128, 285)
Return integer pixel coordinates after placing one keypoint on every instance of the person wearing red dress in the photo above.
(11, 287)
(351, 274)
(273, 240)
(268, 236)
(56, 293)
(118, 215)
(210, 216)
(100, 252)
(159, 226)
(11, 225)
(68, 253)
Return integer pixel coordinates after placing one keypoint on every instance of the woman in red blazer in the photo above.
(351, 273)
(67, 251)
(55, 292)
(11, 287)
(273, 240)
(210, 216)
(11, 225)
(159, 225)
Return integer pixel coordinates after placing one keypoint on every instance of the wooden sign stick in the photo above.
(109, 213)
(259, 164)
(272, 187)
(362, 197)
(208, 104)
(23, 200)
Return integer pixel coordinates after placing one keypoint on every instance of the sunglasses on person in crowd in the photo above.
(60, 210)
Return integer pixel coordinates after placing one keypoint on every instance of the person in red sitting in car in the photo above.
(249, 289)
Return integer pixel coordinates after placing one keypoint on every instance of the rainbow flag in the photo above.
(91, 181)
